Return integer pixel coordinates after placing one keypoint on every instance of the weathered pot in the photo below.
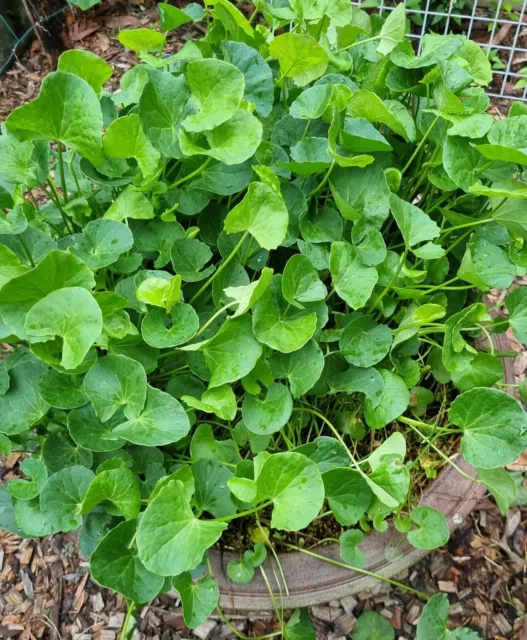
(312, 581)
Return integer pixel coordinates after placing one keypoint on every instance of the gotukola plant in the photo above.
(248, 285)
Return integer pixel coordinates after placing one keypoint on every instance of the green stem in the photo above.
(191, 175)
(419, 146)
(26, 250)
(319, 415)
(56, 200)
(377, 576)
(463, 226)
(214, 316)
(220, 268)
(242, 514)
(357, 43)
(62, 175)
(324, 181)
(390, 284)
(443, 455)
(129, 613)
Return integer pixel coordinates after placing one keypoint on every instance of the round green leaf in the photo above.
(89, 432)
(294, 484)
(352, 280)
(28, 489)
(494, 426)
(300, 57)
(302, 368)
(162, 421)
(114, 382)
(199, 599)
(62, 497)
(22, 406)
(364, 342)
(60, 452)
(87, 66)
(432, 531)
(170, 539)
(62, 390)
(72, 314)
(349, 552)
(393, 403)
(484, 371)
(31, 520)
(348, 494)
(372, 626)
(270, 414)
(102, 242)
(164, 330)
(115, 564)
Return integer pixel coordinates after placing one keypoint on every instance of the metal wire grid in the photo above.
(39, 21)
(504, 79)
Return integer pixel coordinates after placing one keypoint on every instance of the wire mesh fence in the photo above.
(499, 27)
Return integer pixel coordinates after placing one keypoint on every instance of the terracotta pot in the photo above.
(312, 581)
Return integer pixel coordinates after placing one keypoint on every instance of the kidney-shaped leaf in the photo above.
(62, 497)
(119, 486)
(170, 539)
(71, 314)
(199, 599)
(494, 427)
(348, 494)
(270, 413)
(294, 484)
(300, 57)
(432, 528)
(68, 111)
(22, 406)
(28, 489)
(125, 138)
(102, 242)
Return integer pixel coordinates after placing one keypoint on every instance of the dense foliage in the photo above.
(262, 257)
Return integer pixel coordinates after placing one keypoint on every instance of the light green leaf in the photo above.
(278, 326)
(164, 103)
(415, 225)
(457, 352)
(299, 626)
(217, 89)
(247, 295)
(232, 18)
(189, 257)
(87, 66)
(502, 486)
(348, 494)
(102, 242)
(372, 626)
(232, 353)
(16, 165)
(268, 414)
(393, 30)
(262, 213)
(211, 491)
(114, 382)
(435, 48)
(125, 138)
(395, 444)
(461, 161)
(359, 136)
(62, 390)
(300, 282)
(302, 368)
(294, 484)
(364, 343)
(89, 432)
(432, 528)
(352, 280)
(494, 426)
(170, 539)
(368, 105)
(130, 204)
(115, 564)
(62, 497)
(164, 330)
(232, 142)
(162, 421)
(484, 371)
(312, 102)
(220, 400)
(479, 65)
(486, 265)
(394, 402)
(73, 315)
(390, 481)
(433, 622)
(35, 469)
(30, 519)
(300, 57)
(205, 445)
(67, 110)
(171, 17)
(22, 406)
(349, 552)
(142, 40)
(119, 486)
(57, 269)
(516, 304)
(199, 599)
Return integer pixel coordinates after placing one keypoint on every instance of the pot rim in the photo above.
(311, 581)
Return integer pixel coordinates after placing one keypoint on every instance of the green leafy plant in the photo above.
(252, 291)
